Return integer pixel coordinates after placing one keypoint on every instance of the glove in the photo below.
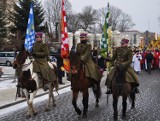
(83, 63)
(107, 59)
(33, 54)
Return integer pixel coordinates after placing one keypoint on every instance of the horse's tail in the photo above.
(96, 89)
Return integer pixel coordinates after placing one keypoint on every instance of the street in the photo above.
(147, 105)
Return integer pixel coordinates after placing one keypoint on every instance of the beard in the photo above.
(84, 42)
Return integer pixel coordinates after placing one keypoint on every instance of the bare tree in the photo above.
(53, 14)
(88, 18)
(118, 19)
(73, 22)
(3, 29)
(125, 23)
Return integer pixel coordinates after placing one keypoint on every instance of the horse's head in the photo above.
(75, 62)
(20, 58)
(120, 73)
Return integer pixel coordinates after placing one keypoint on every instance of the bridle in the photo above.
(20, 64)
(77, 68)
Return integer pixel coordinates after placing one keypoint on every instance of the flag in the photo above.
(30, 33)
(105, 36)
(64, 39)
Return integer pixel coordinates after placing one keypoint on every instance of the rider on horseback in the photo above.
(84, 51)
(123, 56)
(40, 65)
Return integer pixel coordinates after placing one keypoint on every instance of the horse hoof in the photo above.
(28, 116)
(35, 113)
(79, 111)
(115, 118)
(124, 116)
(96, 105)
(84, 116)
(54, 105)
(46, 110)
(133, 107)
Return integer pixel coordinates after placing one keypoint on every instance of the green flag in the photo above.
(104, 42)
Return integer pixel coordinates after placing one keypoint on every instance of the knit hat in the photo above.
(83, 35)
(123, 41)
(39, 34)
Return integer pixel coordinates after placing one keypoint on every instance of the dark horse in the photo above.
(80, 83)
(120, 87)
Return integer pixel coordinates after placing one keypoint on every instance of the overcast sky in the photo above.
(144, 13)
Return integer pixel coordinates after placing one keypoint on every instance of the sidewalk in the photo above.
(8, 89)
(8, 95)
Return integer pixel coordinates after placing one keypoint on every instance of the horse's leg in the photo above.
(85, 102)
(115, 101)
(74, 102)
(50, 97)
(32, 96)
(29, 112)
(124, 103)
(132, 96)
(98, 94)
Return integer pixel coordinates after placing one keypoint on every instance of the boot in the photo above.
(136, 90)
(108, 91)
(45, 87)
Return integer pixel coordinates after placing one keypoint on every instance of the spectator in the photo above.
(143, 61)
(60, 67)
(149, 60)
(136, 62)
(101, 63)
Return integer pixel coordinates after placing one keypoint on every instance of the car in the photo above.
(7, 58)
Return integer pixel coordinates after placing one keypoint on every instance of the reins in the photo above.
(26, 65)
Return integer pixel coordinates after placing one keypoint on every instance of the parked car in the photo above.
(7, 58)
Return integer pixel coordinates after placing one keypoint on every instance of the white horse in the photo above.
(26, 64)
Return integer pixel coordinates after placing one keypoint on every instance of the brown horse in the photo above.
(120, 87)
(80, 83)
(31, 82)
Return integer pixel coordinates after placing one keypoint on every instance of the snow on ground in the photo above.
(13, 108)
(7, 70)
(7, 84)
(6, 81)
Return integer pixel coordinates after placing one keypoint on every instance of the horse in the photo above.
(120, 87)
(81, 83)
(31, 81)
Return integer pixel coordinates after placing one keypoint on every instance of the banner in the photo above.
(30, 33)
(64, 40)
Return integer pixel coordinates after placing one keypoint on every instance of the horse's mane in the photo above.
(120, 74)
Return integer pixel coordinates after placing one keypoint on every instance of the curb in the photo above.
(23, 100)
